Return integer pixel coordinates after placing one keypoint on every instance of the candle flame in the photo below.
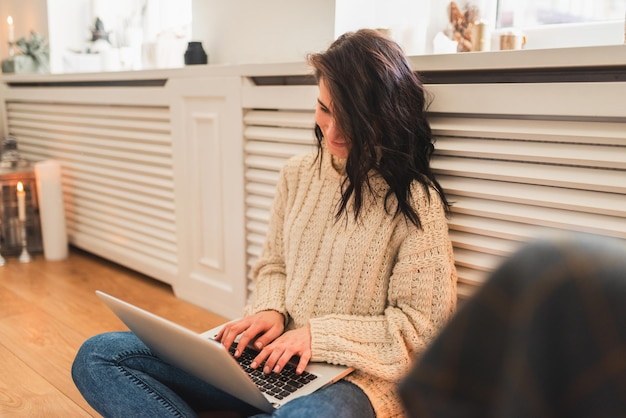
(20, 186)
(10, 20)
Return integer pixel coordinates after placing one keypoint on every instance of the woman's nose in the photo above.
(329, 126)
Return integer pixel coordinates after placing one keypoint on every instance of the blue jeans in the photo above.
(119, 377)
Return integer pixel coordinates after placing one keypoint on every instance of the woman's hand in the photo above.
(263, 326)
(277, 354)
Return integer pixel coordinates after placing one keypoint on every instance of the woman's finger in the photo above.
(304, 361)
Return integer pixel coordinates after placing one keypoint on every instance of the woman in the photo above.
(357, 267)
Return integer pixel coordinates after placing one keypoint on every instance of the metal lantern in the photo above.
(20, 229)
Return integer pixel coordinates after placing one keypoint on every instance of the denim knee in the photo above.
(99, 349)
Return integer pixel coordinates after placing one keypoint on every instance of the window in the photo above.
(561, 23)
(515, 13)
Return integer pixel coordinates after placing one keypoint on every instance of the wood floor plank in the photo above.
(47, 310)
(69, 284)
(41, 341)
(24, 393)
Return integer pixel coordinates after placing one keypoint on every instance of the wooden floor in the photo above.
(47, 309)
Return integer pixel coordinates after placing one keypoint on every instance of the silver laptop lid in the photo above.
(199, 355)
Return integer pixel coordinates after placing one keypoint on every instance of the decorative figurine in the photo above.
(99, 38)
(461, 25)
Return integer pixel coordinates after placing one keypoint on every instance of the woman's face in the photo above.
(336, 144)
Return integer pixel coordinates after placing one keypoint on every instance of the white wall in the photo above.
(408, 21)
(66, 37)
(252, 31)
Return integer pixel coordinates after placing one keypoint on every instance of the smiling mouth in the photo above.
(337, 144)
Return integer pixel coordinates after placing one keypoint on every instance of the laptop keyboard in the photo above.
(278, 385)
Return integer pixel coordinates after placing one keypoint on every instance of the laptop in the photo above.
(207, 359)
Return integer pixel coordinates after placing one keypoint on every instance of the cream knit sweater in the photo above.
(374, 291)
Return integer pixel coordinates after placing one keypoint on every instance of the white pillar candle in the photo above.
(21, 202)
(11, 29)
(51, 210)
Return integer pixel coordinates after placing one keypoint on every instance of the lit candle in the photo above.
(21, 202)
(11, 29)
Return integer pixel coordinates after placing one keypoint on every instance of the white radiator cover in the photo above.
(117, 173)
(176, 181)
(513, 170)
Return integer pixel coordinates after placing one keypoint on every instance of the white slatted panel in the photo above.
(271, 137)
(513, 170)
(511, 180)
(117, 175)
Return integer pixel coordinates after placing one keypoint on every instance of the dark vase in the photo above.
(195, 54)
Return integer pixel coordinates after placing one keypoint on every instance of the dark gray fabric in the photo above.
(545, 336)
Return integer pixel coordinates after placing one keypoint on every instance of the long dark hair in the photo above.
(379, 104)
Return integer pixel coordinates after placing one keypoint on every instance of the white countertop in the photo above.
(597, 56)
(612, 55)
